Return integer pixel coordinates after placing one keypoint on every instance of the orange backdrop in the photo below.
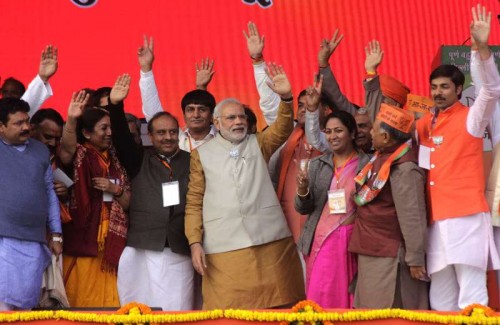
(98, 43)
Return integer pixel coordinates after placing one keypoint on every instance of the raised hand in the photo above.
(145, 53)
(204, 73)
(255, 43)
(48, 63)
(374, 56)
(327, 47)
(77, 104)
(313, 94)
(120, 90)
(279, 82)
(302, 182)
(480, 26)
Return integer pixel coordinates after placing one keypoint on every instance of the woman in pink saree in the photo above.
(324, 193)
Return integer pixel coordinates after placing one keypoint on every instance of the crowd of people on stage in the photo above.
(352, 207)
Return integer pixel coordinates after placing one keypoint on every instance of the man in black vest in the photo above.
(155, 267)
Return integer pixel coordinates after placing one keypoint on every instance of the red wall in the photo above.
(98, 43)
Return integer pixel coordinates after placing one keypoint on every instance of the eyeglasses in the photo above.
(232, 118)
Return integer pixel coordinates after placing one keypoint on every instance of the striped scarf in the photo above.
(367, 193)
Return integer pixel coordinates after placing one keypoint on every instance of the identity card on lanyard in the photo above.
(337, 201)
(170, 191)
(424, 157)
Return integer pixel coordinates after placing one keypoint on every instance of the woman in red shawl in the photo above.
(95, 237)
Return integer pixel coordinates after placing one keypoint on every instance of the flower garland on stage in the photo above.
(303, 312)
(310, 307)
(134, 308)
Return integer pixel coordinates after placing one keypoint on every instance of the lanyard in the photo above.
(167, 165)
(339, 174)
(106, 161)
(188, 137)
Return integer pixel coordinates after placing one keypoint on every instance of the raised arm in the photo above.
(147, 85)
(127, 150)
(304, 198)
(204, 73)
(67, 147)
(331, 88)
(268, 100)
(480, 28)
(475, 65)
(314, 135)
(373, 94)
(278, 132)
(39, 89)
(482, 110)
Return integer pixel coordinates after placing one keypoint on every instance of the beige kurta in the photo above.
(263, 276)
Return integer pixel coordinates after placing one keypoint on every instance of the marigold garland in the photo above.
(134, 308)
(478, 310)
(307, 306)
(473, 314)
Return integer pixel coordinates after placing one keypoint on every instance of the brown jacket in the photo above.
(390, 236)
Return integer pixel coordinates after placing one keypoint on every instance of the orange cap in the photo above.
(394, 89)
(396, 117)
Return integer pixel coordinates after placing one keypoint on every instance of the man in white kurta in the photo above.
(461, 246)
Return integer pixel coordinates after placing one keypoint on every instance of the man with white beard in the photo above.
(239, 239)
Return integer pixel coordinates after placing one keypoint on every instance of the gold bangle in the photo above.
(120, 192)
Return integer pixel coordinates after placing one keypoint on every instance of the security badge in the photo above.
(337, 201)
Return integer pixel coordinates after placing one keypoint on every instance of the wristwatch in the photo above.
(57, 239)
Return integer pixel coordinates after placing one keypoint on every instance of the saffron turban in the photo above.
(394, 89)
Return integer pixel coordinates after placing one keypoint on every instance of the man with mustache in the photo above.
(460, 245)
(46, 127)
(155, 267)
(197, 105)
(28, 209)
(240, 242)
